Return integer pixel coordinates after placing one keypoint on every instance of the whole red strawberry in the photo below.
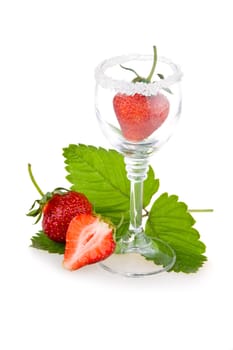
(58, 208)
(138, 115)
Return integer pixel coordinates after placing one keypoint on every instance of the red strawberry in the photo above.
(139, 116)
(89, 239)
(58, 209)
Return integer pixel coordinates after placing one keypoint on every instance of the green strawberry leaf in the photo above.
(170, 221)
(151, 186)
(42, 241)
(101, 175)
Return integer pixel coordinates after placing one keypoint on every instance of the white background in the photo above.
(48, 52)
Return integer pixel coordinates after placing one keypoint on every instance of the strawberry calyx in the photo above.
(45, 197)
(140, 79)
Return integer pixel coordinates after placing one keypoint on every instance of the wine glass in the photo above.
(138, 117)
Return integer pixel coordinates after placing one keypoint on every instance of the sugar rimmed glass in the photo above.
(135, 246)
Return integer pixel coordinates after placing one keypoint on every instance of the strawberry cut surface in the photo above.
(89, 239)
(138, 115)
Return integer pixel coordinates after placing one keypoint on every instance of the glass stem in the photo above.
(137, 169)
(136, 200)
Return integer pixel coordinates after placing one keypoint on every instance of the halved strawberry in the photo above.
(89, 239)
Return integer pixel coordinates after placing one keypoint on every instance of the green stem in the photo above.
(201, 210)
(146, 214)
(33, 180)
(131, 70)
(153, 66)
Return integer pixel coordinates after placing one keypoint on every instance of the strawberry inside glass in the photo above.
(139, 116)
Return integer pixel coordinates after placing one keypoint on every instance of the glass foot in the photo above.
(132, 261)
